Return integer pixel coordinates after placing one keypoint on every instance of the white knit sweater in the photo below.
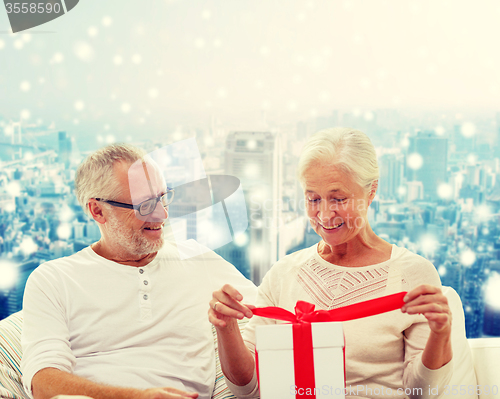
(382, 352)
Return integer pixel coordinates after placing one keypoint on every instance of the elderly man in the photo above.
(125, 317)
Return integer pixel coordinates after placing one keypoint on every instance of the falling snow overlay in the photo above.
(250, 81)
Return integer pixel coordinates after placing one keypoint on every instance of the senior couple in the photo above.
(126, 316)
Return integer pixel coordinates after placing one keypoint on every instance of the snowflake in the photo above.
(468, 129)
(445, 191)
(64, 231)
(79, 105)
(415, 161)
(439, 130)
(468, 257)
(137, 59)
(153, 92)
(25, 114)
(492, 294)
(199, 42)
(107, 21)
(8, 274)
(206, 14)
(92, 31)
(25, 86)
(57, 58)
(83, 51)
(126, 108)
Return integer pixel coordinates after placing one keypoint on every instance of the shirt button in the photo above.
(145, 282)
(141, 271)
(145, 297)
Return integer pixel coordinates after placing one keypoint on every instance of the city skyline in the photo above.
(456, 228)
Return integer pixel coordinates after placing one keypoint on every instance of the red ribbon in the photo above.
(302, 334)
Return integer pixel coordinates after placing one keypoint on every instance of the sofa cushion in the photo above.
(11, 385)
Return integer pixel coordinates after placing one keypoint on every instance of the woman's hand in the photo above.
(429, 301)
(226, 307)
(236, 360)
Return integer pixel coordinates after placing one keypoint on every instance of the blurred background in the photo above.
(250, 81)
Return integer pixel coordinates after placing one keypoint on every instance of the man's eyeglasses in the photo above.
(145, 207)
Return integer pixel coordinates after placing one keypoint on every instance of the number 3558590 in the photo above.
(32, 8)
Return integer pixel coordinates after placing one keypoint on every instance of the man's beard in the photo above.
(131, 240)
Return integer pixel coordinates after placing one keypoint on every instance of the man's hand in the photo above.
(49, 382)
(168, 393)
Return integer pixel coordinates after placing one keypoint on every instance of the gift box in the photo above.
(306, 359)
(281, 377)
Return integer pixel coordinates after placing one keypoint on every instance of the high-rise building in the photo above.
(475, 175)
(364, 121)
(472, 295)
(12, 149)
(497, 139)
(292, 232)
(461, 143)
(391, 175)
(256, 159)
(433, 151)
(451, 273)
(194, 219)
(491, 321)
(65, 148)
(17, 133)
(14, 298)
(414, 191)
(4, 310)
(327, 122)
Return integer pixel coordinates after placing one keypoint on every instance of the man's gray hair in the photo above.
(346, 148)
(95, 176)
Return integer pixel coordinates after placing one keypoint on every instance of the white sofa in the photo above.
(480, 354)
(476, 361)
(486, 357)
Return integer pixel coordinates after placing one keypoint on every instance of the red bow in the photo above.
(302, 334)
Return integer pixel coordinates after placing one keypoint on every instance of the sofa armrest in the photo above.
(463, 364)
(486, 355)
(11, 385)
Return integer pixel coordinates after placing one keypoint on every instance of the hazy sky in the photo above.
(140, 65)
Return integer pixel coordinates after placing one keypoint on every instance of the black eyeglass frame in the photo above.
(138, 206)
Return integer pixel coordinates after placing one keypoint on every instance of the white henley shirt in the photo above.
(137, 327)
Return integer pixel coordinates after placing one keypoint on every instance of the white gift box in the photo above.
(274, 344)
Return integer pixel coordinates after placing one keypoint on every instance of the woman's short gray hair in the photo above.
(95, 176)
(346, 148)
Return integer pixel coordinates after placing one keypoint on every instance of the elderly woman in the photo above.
(410, 348)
